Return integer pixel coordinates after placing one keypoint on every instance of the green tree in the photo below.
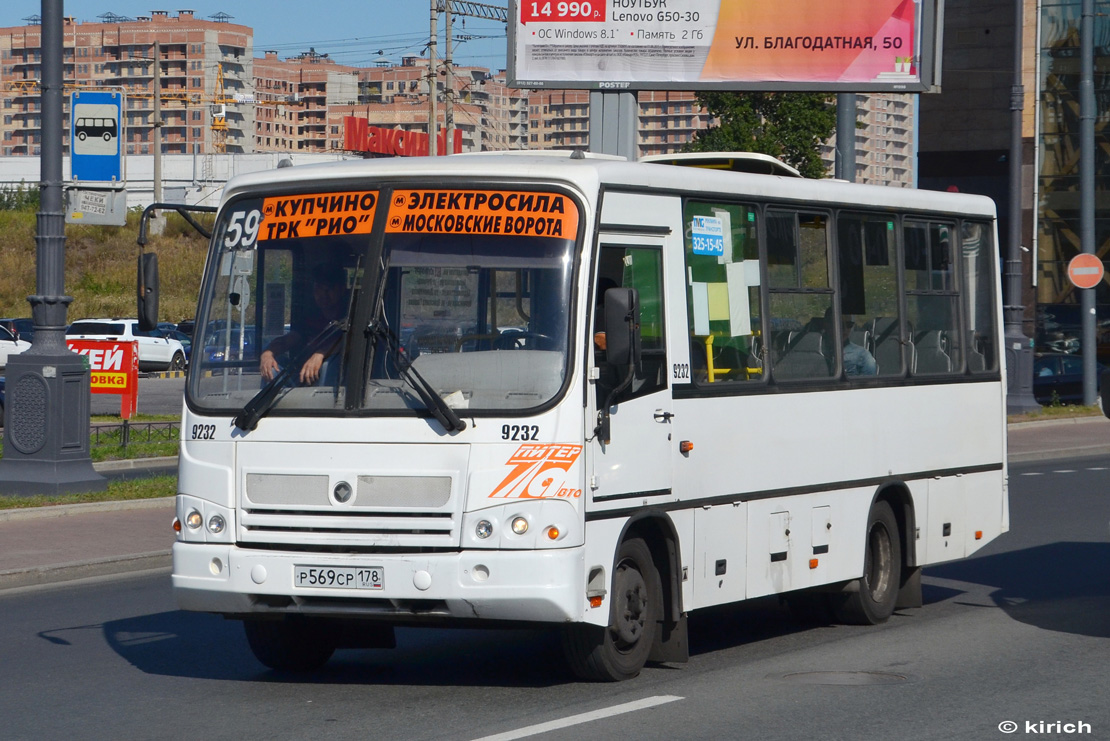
(789, 126)
(20, 197)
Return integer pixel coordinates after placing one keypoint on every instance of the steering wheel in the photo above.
(519, 340)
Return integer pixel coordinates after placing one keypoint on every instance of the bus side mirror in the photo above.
(622, 326)
(148, 291)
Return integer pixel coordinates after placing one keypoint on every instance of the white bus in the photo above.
(407, 416)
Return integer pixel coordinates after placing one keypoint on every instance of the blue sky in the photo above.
(349, 31)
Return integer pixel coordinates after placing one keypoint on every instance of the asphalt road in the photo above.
(156, 396)
(1019, 633)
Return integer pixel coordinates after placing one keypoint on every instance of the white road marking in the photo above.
(574, 720)
(1065, 470)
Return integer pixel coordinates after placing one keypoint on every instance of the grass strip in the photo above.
(153, 487)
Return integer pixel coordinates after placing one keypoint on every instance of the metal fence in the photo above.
(132, 433)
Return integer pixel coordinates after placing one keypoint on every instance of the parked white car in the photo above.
(9, 346)
(156, 352)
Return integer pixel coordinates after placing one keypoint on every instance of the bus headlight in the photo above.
(547, 523)
(203, 521)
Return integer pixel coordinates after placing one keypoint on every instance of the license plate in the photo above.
(339, 577)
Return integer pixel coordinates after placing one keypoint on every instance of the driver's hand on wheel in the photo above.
(310, 371)
(268, 365)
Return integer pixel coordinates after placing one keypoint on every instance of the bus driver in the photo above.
(329, 291)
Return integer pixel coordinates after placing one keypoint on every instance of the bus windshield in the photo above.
(478, 311)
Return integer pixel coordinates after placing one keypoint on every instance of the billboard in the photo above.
(818, 45)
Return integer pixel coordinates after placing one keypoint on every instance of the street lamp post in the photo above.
(1019, 348)
(46, 426)
(1087, 114)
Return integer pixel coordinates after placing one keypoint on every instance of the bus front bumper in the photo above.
(533, 586)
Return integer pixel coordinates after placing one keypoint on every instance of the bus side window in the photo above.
(801, 297)
(868, 282)
(932, 298)
(724, 305)
(977, 251)
(640, 268)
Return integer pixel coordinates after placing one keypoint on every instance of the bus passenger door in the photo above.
(636, 462)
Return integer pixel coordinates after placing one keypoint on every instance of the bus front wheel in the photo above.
(620, 650)
(870, 599)
(290, 644)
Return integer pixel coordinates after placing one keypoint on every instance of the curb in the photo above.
(163, 374)
(66, 572)
(129, 464)
(1057, 422)
(1036, 456)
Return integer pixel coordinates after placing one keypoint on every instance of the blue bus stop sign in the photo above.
(95, 131)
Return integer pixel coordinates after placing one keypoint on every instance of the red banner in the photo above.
(113, 369)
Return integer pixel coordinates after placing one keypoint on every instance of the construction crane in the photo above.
(220, 100)
(218, 109)
(31, 87)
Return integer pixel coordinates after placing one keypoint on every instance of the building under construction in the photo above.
(205, 69)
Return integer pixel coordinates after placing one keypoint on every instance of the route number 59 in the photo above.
(242, 229)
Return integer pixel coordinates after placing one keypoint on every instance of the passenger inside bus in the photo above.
(857, 360)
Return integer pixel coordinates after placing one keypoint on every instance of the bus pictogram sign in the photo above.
(96, 131)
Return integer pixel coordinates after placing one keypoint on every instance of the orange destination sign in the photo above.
(523, 213)
(1085, 270)
(317, 215)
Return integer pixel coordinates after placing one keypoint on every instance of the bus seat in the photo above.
(886, 345)
(930, 354)
(803, 358)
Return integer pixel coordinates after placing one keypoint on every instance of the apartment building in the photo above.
(490, 115)
(295, 99)
(884, 135)
(202, 62)
(668, 119)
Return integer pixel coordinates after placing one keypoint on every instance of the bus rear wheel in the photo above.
(870, 599)
(290, 644)
(620, 650)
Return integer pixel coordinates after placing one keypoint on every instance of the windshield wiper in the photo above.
(264, 400)
(439, 408)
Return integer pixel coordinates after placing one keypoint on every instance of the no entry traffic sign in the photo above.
(1085, 270)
